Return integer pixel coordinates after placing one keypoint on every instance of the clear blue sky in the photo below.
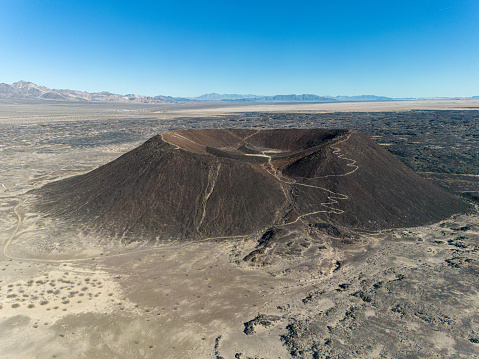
(399, 48)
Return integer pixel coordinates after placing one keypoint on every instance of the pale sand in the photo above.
(461, 104)
(65, 111)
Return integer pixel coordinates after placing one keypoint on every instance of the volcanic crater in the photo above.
(223, 183)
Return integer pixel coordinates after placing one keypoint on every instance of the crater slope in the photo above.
(234, 182)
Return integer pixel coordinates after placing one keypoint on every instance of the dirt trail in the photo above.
(333, 198)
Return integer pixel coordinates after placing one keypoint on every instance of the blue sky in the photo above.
(420, 48)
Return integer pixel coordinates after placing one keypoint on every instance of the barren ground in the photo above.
(402, 293)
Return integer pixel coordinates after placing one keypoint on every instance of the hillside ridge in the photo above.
(200, 184)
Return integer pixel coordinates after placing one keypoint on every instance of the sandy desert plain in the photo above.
(399, 293)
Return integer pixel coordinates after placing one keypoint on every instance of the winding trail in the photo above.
(254, 133)
(333, 198)
(135, 251)
(337, 152)
(175, 145)
(90, 258)
(19, 223)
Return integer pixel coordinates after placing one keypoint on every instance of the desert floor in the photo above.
(407, 292)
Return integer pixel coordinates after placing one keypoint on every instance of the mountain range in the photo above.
(279, 98)
(24, 90)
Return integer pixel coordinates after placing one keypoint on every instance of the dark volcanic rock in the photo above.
(219, 183)
(261, 319)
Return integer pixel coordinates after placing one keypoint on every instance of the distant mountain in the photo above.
(299, 98)
(215, 97)
(24, 90)
(279, 98)
(364, 98)
(223, 97)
